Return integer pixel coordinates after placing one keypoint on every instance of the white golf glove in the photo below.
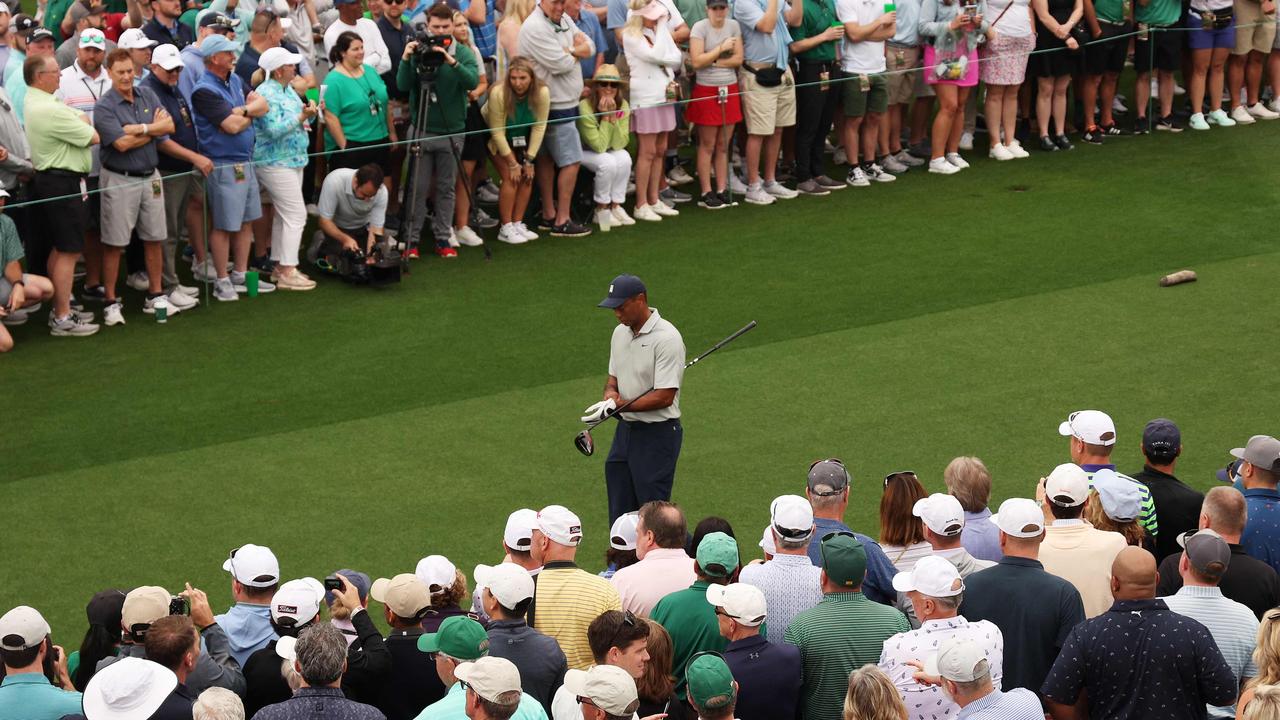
(599, 411)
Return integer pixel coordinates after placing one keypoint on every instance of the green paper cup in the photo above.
(890, 7)
(251, 283)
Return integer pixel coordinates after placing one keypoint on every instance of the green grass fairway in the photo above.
(899, 326)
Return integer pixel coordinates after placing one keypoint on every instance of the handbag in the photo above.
(769, 77)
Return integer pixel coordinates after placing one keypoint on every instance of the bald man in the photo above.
(1139, 659)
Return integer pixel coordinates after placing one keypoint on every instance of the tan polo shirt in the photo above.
(653, 357)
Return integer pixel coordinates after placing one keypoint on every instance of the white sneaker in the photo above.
(180, 301)
(313, 209)
(647, 214)
(16, 318)
(1017, 151)
(1275, 105)
(1219, 117)
(526, 232)
(877, 174)
(139, 281)
(839, 157)
(679, 176)
(1155, 86)
(778, 190)
(1000, 153)
(908, 159)
(1260, 112)
(238, 279)
(604, 218)
(891, 164)
(510, 234)
(1197, 122)
(224, 291)
(204, 272)
(620, 216)
(955, 159)
(1242, 116)
(736, 186)
(1117, 105)
(664, 210)
(856, 177)
(756, 195)
(113, 314)
(1177, 90)
(148, 306)
(942, 167)
(487, 193)
(453, 239)
(186, 290)
(966, 141)
(468, 237)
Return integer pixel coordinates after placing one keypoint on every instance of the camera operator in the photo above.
(353, 208)
(448, 71)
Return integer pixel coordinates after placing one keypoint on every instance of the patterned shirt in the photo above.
(930, 702)
(1146, 506)
(324, 702)
(1261, 537)
(1142, 660)
(1019, 704)
(878, 585)
(281, 140)
(568, 598)
(1232, 625)
(790, 583)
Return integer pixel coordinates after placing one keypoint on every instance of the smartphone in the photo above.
(333, 582)
(179, 605)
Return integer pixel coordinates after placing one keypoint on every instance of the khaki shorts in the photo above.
(902, 65)
(129, 203)
(1254, 31)
(768, 109)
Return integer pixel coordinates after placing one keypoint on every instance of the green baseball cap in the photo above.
(844, 559)
(710, 681)
(718, 555)
(459, 637)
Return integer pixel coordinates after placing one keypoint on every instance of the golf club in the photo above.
(587, 446)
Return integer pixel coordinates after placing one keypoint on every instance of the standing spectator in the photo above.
(969, 481)
(82, 82)
(1003, 70)
(457, 646)
(355, 108)
(770, 105)
(1211, 35)
(131, 688)
(101, 639)
(321, 658)
(21, 31)
(1108, 23)
(516, 113)
(1177, 505)
(1072, 549)
(843, 632)
(615, 638)
(663, 566)
(1114, 506)
(603, 693)
(1232, 625)
(368, 659)
(224, 116)
(475, 153)
(18, 290)
(901, 531)
(412, 684)
(1248, 580)
(1034, 610)
(865, 96)
(828, 493)
(872, 696)
(936, 589)
(218, 704)
(962, 670)
(713, 691)
(255, 575)
(193, 54)
(590, 26)
(1093, 438)
(140, 48)
(604, 121)
(789, 581)
(447, 585)
(165, 28)
(656, 685)
(508, 591)
(555, 45)
(1260, 470)
(295, 607)
(60, 139)
(174, 644)
(769, 673)
(482, 16)
(514, 13)
(902, 58)
(350, 19)
(129, 122)
(266, 32)
(1158, 50)
(1139, 659)
(687, 615)
(26, 650)
(1255, 34)
(438, 149)
(396, 34)
(818, 92)
(87, 18)
(951, 67)
(492, 688)
(715, 51)
(653, 58)
(622, 545)
(568, 598)
(1267, 681)
(1054, 62)
(943, 520)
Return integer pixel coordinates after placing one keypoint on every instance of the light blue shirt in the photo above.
(791, 584)
(30, 696)
(15, 84)
(908, 33)
(192, 69)
(758, 47)
(453, 707)
(980, 536)
(248, 628)
(1233, 626)
(1018, 704)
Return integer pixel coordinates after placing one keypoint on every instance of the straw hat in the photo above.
(607, 73)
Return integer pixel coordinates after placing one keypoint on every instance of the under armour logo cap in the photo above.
(622, 289)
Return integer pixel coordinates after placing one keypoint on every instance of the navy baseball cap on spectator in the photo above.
(1161, 437)
(357, 578)
(1229, 473)
(623, 288)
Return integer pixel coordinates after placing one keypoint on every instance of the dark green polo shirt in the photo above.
(691, 622)
(818, 16)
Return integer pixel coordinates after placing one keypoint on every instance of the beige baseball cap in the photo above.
(143, 606)
(490, 677)
(608, 687)
(22, 628)
(405, 594)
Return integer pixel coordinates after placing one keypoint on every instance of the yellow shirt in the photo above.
(566, 601)
(59, 137)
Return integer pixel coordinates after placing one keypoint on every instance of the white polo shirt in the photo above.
(866, 57)
(651, 358)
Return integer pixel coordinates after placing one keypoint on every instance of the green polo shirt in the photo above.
(691, 622)
(818, 16)
(59, 138)
(838, 635)
(30, 696)
(1109, 10)
(1158, 13)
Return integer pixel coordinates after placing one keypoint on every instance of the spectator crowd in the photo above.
(1097, 595)
(132, 128)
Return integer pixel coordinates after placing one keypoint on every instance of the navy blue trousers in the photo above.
(642, 464)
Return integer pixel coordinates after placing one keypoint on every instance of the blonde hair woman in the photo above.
(517, 116)
(1266, 656)
(1265, 704)
(513, 16)
(872, 696)
(653, 58)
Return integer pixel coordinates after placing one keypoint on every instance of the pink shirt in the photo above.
(659, 574)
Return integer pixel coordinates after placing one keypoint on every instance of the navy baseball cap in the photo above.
(623, 288)
(358, 579)
(1161, 437)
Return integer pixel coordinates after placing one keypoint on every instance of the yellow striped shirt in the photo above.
(566, 601)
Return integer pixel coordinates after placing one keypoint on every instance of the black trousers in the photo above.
(642, 464)
(815, 109)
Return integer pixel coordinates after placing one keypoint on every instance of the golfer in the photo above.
(646, 362)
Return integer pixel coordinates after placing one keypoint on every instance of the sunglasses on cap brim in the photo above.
(900, 475)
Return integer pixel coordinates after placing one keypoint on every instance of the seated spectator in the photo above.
(218, 704)
(1073, 550)
(960, 667)
(872, 696)
(618, 639)
(294, 607)
(132, 688)
(789, 582)
(358, 128)
(413, 684)
(215, 666)
(507, 593)
(101, 639)
(492, 688)
(655, 684)
(663, 567)
(713, 691)
(255, 575)
(18, 290)
(769, 673)
(715, 51)
(901, 532)
(828, 493)
(1113, 507)
(604, 121)
(1139, 659)
(516, 113)
(1261, 689)
(459, 643)
(622, 545)
(173, 643)
(968, 479)
(692, 621)
(321, 659)
(28, 652)
(448, 587)
(1177, 505)
(604, 692)
(353, 209)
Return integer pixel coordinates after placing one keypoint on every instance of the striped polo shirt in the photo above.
(1146, 506)
(840, 634)
(1233, 626)
(567, 599)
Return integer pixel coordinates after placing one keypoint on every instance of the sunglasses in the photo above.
(607, 84)
(628, 621)
(900, 475)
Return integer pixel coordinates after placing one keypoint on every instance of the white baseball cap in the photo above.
(932, 576)
(740, 601)
(406, 594)
(559, 524)
(253, 565)
(287, 647)
(135, 39)
(622, 536)
(766, 541)
(958, 659)
(518, 534)
(1092, 426)
(941, 513)
(792, 517)
(1067, 485)
(277, 57)
(1120, 497)
(1019, 517)
(297, 602)
(4, 8)
(128, 689)
(489, 677)
(22, 628)
(509, 583)
(609, 687)
(93, 38)
(437, 573)
(167, 56)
